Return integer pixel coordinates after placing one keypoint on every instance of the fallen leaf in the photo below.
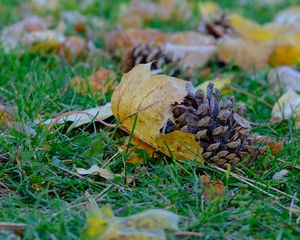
(103, 79)
(289, 16)
(6, 118)
(73, 47)
(92, 170)
(286, 107)
(212, 190)
(95, 169)
(285, 55)
(250, 30)
(244, 53)
(281, 174)
(209, 10)
(149, 224)
(144, 100)
(191, 38)
(222, 83)
(189, 57)
(284, 78)
(140, 12)
(121, 42)
(275, 147)
(79, 118)
(13, 35)
(135, 146)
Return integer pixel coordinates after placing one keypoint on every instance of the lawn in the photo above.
(40, 187)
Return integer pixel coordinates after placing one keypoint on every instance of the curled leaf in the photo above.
(142, 102)
(281, 174)
(95, 169)
(286, 107)
(79, 118)
(149, 224)
(285, 78)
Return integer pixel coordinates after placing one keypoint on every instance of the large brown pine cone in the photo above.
(218, 126)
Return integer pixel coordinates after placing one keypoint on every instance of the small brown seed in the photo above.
(223, 153)
(235, 160)
(207, 154)
(219, 130)
(201, 134)
(223, 115)
(204, 122)
(243, 154)
(213, 147)
(215, 158)
(231, 156)
(234, 144)
(202, 109)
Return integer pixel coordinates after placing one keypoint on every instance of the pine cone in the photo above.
(145, 53)
(219, 27)
(218, 126)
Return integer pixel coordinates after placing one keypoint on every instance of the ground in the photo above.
(37, 186)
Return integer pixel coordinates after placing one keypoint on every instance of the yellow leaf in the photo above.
(147, 99)
(249, 29)
(244, 53)
(149, 224)
(103, 79)
(208, 10)
(221, 83)
(285, 55)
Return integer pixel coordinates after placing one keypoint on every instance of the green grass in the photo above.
(36, 186)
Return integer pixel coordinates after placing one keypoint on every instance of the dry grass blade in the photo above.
(251, 182)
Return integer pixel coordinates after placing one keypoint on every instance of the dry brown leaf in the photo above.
(191, 38)
(286, 107)
(95, 169)
(6, 118)
(244, 53)
(73, 47)
(140, 12)
(147, 99)
(189, 57)
(79, 118)
(281, 174)
(211, 189)
(275, 147)
(284, 78)
(12, 36)
(103, 79)
(121, 42)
